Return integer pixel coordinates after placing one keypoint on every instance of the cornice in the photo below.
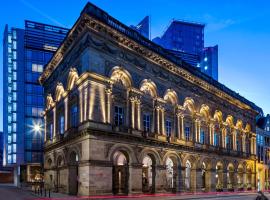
(101, 28)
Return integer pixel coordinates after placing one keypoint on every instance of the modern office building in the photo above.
(143, 27)
(1, 148)
(186, 41)
(25, 53)
(263, 152)
(124, 116)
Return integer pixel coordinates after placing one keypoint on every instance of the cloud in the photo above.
(32, 7)
(214, 24)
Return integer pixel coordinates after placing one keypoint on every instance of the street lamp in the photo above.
(37, 128)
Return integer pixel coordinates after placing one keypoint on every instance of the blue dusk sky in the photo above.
(241, 28)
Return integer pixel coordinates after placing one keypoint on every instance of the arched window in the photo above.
(74, 116)
(187, 175)
(202, 136)
(168, 128)
(169, 174)
(216, 139)
(238, 142)
(187, 133)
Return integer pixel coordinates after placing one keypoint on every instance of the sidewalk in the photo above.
(209, 195)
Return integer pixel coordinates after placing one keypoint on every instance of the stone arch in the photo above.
(247, 128)
(72, 78)
(71, 152)
(120, 75)
(49, 101)
(218, 116)
(189, 105)
(59, 91)
(204, 111)
(229, 121)
(239, 124)
(121, 160)
(122, 148)
(60, 161)
(149, 87)
(49, 162)
(153, 153)
(170, 96)
(207, 162)
(192, 160)
(76, 150)
(174, 155)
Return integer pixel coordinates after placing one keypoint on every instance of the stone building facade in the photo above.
(122, 116)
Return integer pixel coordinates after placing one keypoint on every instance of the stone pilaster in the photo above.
(135, 178)
(108, 105)
(66, 113)
(199, 180)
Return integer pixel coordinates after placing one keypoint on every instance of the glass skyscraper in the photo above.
(25, 54)
(186, 41)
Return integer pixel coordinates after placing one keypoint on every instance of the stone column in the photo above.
(245, 180)
(212, 127)
(45, 128)
(157, 127)
(132, 112)
(193, 180)
(85, 103)
(160, 179)
(54, 122)
(198, 180)
(108, 105)
(136, 178)
(194, 131)
(81, 104)
(212, 181)
(225, 180)
(66, 113)
(197, 130)
(163, 121)
(182, 128)
(253, 181)
(178, 127)
(138, 104)
(235, 182)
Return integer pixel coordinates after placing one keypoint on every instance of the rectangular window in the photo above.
(51, 131)
(14, 158)
(14, 148)
(74, 116)
(14, 138)
(146, 122)
(168, 127)
(187, 133)
(118, 116)
(216, 139)
(61, 124)
(9, 149)
(9, 159)
(202, 137)
(9, 139)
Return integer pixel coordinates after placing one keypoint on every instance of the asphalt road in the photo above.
(13, 193)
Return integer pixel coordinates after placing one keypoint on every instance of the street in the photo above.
(13, 193)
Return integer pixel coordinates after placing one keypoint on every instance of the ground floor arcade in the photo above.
(91, 167)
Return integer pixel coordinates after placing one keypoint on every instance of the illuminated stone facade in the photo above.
(122, 118)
